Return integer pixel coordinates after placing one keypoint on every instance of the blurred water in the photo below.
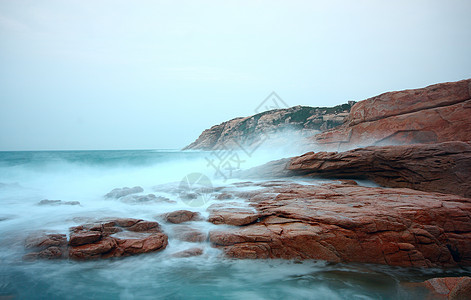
(86, 176)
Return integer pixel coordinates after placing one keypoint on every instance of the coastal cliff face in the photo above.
(434, 114)
(305, 120)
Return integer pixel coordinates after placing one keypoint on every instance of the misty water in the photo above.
(26, 178)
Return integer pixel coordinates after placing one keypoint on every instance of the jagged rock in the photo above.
(236, 216)
(434, 114)
(181, 216)
(442, 288)
(57, 202)
(121, 192)
(46, 246)
(252, 130)
(104, 239)
(444, 167)
(340, 222)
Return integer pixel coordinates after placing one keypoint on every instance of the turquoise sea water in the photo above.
(86, 176)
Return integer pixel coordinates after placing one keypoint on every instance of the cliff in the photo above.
(434, 114)
(305, 120)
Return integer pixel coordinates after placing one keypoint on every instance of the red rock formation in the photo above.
(48, 246)
(181, 216)
(189, 252)
(350, 223)
(219, 214)
(437, 113)
(444, 167)
(99, 240)
(442, 288)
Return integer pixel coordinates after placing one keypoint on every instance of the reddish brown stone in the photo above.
(84, 237)
(145, 226)
(181, 216)
(351, 223)
(96, 240)
(91, 251)
(437, 113)
(444, 167)
(154, 242)
(236, 216)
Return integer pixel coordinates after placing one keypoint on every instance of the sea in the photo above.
(27, 178)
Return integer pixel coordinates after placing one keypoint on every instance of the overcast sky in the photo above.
(154, 74)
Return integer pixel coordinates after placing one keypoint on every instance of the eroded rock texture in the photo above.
(443, 167)
(433, 114)
(350, 223)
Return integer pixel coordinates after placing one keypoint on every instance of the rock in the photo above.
(103, 239)
(181, 216)
(121, 192)
(45, 246)
(434, 114)
(251, 131)
(93, 250)
(145, 226)
(351, 223)
(188, 234)
(84, 237)
(154, 242)
(57, 202)
(236, 216)
(44, 241)
(189, 252)
(444, 288)
(443, 167)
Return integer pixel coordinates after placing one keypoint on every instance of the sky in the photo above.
(112, 74)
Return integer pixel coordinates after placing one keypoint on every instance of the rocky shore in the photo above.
(419, 215)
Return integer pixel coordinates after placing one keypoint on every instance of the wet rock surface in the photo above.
(433, 114)
(125, 191)
(443, 167)
(442, 288)
(342, 222)
(181, 216)
(98, 240)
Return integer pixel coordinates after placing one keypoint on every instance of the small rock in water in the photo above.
(188, 234)
(181, 216)
(57, 202)
(121, 192)
(48, 246)
(142, 199)
(188, 252)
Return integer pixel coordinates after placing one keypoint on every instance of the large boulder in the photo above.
(341, 222)
(437, 113)
(444, 167)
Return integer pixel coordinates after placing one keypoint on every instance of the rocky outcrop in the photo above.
(125, 191)
(342, 222)
(437, 113)
(442, 288)
(110, 238)
(443, 167)
(251, 130)
(180, 216)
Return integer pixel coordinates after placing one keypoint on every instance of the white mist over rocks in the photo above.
(27, 178)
